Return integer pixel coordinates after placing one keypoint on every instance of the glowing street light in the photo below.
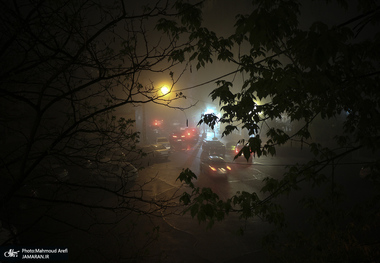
(165, 90)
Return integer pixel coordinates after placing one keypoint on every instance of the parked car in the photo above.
(50, 171)
(142, 156)
(146, 155)
(114, 175)
(213, 148)
(47, 181)
(163, 141)
(106, 157)
(118, 155)
(160, 152)
(47, 176)
(215, 166)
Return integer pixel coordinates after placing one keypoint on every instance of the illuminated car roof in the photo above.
(216, 159)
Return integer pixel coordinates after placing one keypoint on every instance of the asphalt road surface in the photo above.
(168, 236)
(182, 238)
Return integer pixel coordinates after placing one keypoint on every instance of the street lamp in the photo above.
(165, 90)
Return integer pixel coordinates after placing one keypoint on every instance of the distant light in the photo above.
(209, 111)
(165, 90)
(212, 111)
(157, 122)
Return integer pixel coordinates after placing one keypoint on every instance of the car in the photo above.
(215, 166)
(48, 181)
(191, 134)
(118, 155)
(160, 152)
(47, 175)
(177, 136)
(52, 171)
(213, 147)
(163, 141)
(105, 157)
(113, 175)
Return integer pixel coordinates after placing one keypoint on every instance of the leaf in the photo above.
(194, 210)
(185, 198)
(246, 152)
(223, 92)
(187, 176)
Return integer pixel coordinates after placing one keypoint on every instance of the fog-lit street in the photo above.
(169, 235)
(182, 238)
(190, 131)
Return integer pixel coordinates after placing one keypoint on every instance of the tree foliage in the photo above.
(314, 83)
(72, 74)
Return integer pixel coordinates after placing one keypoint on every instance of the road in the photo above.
(182, 238)
(169, 236)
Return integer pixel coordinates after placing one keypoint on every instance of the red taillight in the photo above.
(188, 133)
(174, 136)
(236, 150)
(229, 168)
(183, 136)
